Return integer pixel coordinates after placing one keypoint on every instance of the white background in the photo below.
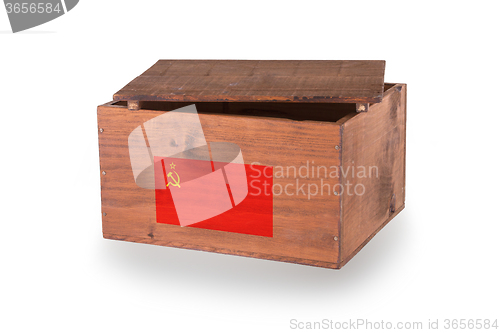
(438, 259)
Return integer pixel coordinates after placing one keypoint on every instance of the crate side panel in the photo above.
(373, 162)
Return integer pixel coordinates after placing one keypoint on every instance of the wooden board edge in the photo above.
(352, 254)
(404, 87)
(341, 199)
(244, 98)
(349, 116)
(293, 260)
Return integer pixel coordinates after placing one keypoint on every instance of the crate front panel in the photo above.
(305, 222)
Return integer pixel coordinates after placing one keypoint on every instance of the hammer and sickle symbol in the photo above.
(174, 181)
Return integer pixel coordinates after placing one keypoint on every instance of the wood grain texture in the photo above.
(304, 229)
(376, 139)
(307, 81)
(346, 259)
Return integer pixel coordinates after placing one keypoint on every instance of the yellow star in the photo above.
(172, 166)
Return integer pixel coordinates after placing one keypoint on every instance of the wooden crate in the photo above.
(327, 137)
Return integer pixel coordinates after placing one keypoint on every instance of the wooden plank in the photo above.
(304, 229)
(360, 247)
(376, 140)
(321, 81)
(161, 242)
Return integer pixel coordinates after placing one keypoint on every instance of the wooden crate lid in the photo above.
(324, 81)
